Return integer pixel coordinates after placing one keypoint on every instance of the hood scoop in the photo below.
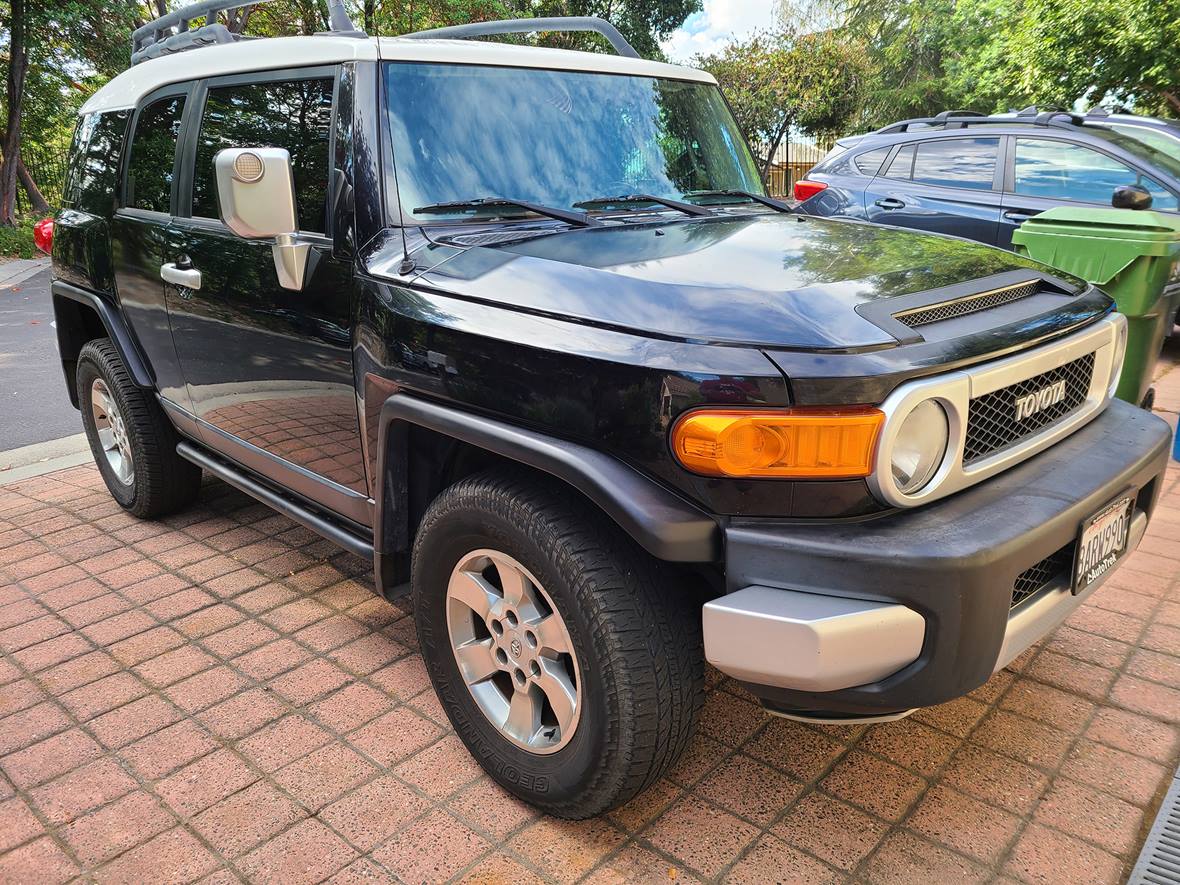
(949, 310)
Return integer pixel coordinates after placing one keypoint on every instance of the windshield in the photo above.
(557, 138)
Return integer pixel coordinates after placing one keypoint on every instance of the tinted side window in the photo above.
(295, 115)
(93, 172)
(902, 164)
(1058, 170)
(153, 153)
(870, 161)
(957, 162)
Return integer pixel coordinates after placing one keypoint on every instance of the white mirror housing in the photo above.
(256, 192)
(256, 199)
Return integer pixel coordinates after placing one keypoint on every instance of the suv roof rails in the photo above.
(173, 33)
(528, 25)
(963, 119)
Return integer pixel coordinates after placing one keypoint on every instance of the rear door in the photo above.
(942, 185)
(269, 370)
(1047, 172)
(141, 235)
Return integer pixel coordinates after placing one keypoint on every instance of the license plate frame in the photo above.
(1096, 551)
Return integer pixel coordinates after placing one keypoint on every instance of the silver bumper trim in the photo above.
(1038, 615)
(809, 642)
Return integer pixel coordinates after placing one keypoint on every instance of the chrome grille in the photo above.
(947, 310)
(991, 418)
(1029, 581)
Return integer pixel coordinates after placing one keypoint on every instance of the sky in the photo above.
(718, 23)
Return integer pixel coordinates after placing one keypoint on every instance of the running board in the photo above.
(302, 514)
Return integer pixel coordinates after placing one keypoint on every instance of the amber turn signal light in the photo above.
(798, 443)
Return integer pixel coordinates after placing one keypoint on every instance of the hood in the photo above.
(773, 281)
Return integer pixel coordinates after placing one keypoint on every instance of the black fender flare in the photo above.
(68, 339)
(666, 525)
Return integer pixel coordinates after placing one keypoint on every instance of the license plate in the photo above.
(1102, 540)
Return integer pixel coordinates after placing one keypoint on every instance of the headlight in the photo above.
(919, 446)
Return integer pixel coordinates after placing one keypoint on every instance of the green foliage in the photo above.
(994, 55)
(812, 82)
(1057, 52)
(17, 241)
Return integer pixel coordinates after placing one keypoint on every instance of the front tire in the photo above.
(133, 443)
(568, 660)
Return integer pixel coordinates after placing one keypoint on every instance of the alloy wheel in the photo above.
(514, 651)
(112, 432)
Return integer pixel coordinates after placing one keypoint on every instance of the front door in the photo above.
(944, 185)
(269, 370)
(1047, 172)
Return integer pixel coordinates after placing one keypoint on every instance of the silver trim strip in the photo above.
(1039, 614)
(807, 641)
(955, 390)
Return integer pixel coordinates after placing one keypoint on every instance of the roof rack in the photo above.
(174, 32)
(963, 119)
(529, 25)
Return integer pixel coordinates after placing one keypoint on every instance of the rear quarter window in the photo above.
(92, 174)
(869, 163)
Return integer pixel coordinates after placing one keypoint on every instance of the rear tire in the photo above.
(634, 665)
(133, 442)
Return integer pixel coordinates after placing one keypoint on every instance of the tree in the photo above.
(18, 62)
(1058, 52)
(908, 43)
(774, 81)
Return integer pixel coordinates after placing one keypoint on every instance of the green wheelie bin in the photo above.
(1130, 254)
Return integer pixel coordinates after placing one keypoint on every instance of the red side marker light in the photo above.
(43, 235)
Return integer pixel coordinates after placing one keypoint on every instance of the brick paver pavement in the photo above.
(219, 697)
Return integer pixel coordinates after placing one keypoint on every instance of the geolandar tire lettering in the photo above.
(568, 660)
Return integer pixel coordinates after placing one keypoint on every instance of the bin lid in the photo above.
(1138, 225)
(1065, 237)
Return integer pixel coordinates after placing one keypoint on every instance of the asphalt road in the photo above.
(34, 406)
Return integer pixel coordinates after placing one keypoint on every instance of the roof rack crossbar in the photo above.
(175, 32)
(529, 25)
(1058, 119)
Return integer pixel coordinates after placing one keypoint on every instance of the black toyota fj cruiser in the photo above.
(521, 325)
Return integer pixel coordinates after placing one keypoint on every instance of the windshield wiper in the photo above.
(686, 208)
(580, 219)
(777, 205)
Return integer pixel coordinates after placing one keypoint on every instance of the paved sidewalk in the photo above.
(219, 697)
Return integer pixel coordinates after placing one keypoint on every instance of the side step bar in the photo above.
(302, 514)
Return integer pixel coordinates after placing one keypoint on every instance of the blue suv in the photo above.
(979, 176)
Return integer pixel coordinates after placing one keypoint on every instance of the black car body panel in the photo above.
(414, 356)
(772, 281)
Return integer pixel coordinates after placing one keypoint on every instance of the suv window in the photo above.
(957, 162)
(870, 161)
(93, 173)
(1058, 170)
(292, 114)
(153, 155)
(902, 164)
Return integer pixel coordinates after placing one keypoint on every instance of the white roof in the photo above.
(125, 90)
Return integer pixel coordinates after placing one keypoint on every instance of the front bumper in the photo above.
(821, 617)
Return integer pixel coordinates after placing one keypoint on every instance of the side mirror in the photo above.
(1131, 196)
(256, 198)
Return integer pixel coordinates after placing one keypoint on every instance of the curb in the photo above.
(41, 458)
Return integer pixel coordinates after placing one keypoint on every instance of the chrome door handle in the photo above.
(1017, 215)
(188, 277)
(890, 203)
